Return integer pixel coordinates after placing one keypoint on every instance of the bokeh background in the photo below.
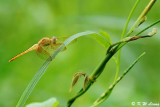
(24, 22)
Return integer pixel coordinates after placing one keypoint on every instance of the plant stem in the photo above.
(158, 21)
(93, 77)
(143, 14)
(122, 36)
(128, 19)
(129, 39)
(96, 73)
(106, 94)
(138, 21)
(102, 65)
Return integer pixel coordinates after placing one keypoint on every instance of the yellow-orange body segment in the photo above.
(39, 47)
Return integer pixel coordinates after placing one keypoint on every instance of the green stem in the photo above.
(138, 21)
(129, 39)
(122, 36)
(148, 27)
(106, 94)
(93, 77)
(143, 14)
(128, 19)
(96, 73)
(100, 68)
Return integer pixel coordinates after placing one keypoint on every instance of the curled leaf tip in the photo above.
(143, 19)
(154, 31)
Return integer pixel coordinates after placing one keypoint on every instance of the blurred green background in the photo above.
(24, 22)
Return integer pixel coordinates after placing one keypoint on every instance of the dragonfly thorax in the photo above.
(54, 39)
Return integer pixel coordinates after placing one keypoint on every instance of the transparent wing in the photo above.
(43, 53)
(62, 39)
(55, 46)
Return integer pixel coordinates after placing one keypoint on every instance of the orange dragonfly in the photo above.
(42, 47)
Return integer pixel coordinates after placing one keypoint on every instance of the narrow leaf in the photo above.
(106, 94)
(106, 35)
(158, 21)
(104, 39)
(45, 65)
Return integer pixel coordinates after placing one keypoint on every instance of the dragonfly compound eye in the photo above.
(54, 39)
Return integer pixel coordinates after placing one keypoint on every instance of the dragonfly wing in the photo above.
(42, 53)
(56, 46)
(62, 39)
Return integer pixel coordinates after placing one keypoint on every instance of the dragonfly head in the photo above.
(54, 39)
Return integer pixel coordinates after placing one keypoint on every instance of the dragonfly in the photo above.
(43, 47)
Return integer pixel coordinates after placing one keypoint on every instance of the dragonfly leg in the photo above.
(58, 44)
(52, 47)
(38, 49)
(43, 53)
(48, 54)
(47, 49)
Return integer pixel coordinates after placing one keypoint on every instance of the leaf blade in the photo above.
(45, 65)
(107, 93)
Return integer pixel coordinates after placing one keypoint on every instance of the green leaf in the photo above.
(107, 93)
(158, 21)
(45, 65)
(106, 35)
(104, 39)
(52, 102)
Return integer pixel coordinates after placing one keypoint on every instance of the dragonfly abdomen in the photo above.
(34, 47)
